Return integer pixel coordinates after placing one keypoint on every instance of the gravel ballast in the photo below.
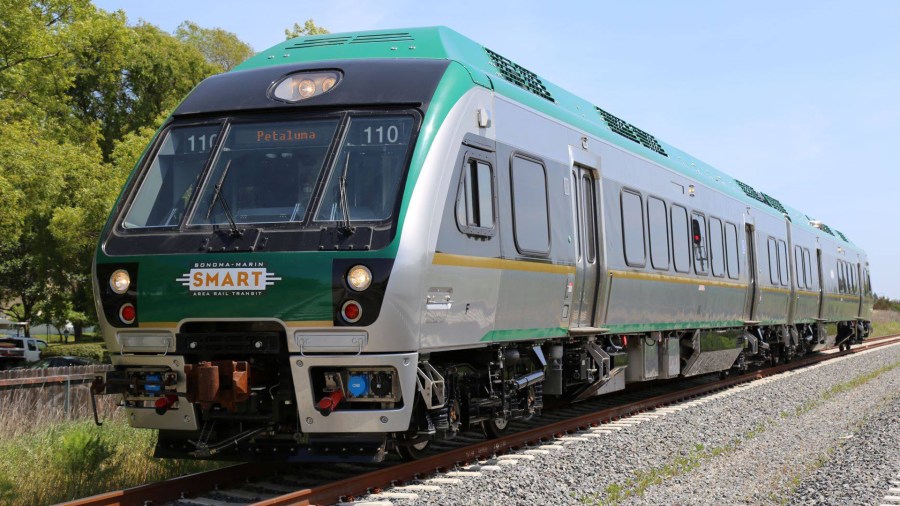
(821, 435)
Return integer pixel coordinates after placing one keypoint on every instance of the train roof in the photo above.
(493, 71)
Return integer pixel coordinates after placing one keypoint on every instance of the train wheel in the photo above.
(495, 427)
(413, 450)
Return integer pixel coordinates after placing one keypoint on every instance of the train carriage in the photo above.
(354, 243)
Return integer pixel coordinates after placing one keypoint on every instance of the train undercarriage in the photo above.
(239, 386)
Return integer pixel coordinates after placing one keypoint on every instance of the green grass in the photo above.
(888, 328)
(68, 460)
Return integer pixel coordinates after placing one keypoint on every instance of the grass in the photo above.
(885, 323)
(69, 460)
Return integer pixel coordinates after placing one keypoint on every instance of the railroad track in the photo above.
(277, 485)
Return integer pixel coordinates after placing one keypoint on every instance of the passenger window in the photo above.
(698, 236)
(530, 212)
(773, 261)
(633, 229)
(681, 239)
(590, 217)
(807, 263)
(798, 267)
(716, 247)
(783, 274)
(731, 250)
(475, 199)
(841, 276)
(659, 233)
(32, 346)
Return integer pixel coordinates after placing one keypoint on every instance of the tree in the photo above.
(309, 28)
(220, 47)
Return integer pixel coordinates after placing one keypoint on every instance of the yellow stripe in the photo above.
(665, 278)
(500, 263)
(157, 325)
(807, 293)
(311, 323)
(841, 296)
(775, 290)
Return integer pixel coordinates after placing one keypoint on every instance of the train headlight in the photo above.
(304, 85)
(359, 277)
(119, 281)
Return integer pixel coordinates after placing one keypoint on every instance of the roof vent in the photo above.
(775, 204)
(821, 226)
(519, 75)
(844, 237)
(382, 37)
(319, 42)
(751, 192)
(631, 132)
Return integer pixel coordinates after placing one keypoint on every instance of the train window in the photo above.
(633, 229)
(366, 176)
(841, 284)
(475, 199)
(798, 267)
(716, 247)
(590, 210)
(783, 274)
(681, 239)
(529, 203)
(698, 238)
(773, 261)
(172, 177)
(807, 263)
(853, 283)
(731, 250)
(659, 233)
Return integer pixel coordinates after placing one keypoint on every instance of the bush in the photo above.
(96, 351)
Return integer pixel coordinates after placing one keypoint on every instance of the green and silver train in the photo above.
(364, 242)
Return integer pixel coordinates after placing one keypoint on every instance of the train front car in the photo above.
(249, 282)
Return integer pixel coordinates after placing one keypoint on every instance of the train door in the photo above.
(753, 290)
(585, 204)
(859, 287)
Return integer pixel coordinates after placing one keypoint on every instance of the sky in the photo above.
(799, 99)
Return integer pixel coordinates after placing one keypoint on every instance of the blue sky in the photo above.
(800, 99)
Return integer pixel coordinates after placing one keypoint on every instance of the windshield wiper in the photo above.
(235, 232)
(345, 206)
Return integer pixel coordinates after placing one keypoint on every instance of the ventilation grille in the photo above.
(631, 132)
(844, 237)
(327, 41)
(519, 75)
(751, 192)
(382, 37)
(775, 204)
(825, 228)
(359, 39)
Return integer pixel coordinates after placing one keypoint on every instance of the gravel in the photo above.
(805, 437)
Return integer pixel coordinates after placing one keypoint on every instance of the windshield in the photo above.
(275, 172)
(371, 164)
(266, 172)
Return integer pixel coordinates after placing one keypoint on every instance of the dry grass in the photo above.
(885, 323)
(46, 459)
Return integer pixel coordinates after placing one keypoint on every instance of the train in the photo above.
(362, 243)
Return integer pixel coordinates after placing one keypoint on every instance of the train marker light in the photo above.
(127, 313)
(304, 85)
(359, 277)
(119, 281)
(351, 311)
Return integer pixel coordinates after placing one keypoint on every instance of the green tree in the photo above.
(220, 47)
(309, 28)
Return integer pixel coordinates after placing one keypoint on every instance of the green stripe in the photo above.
(625, 328)
(523, 334)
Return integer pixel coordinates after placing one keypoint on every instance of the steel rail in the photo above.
(198, 483)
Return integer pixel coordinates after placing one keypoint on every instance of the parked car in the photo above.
(20, 351)
(66, 361)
